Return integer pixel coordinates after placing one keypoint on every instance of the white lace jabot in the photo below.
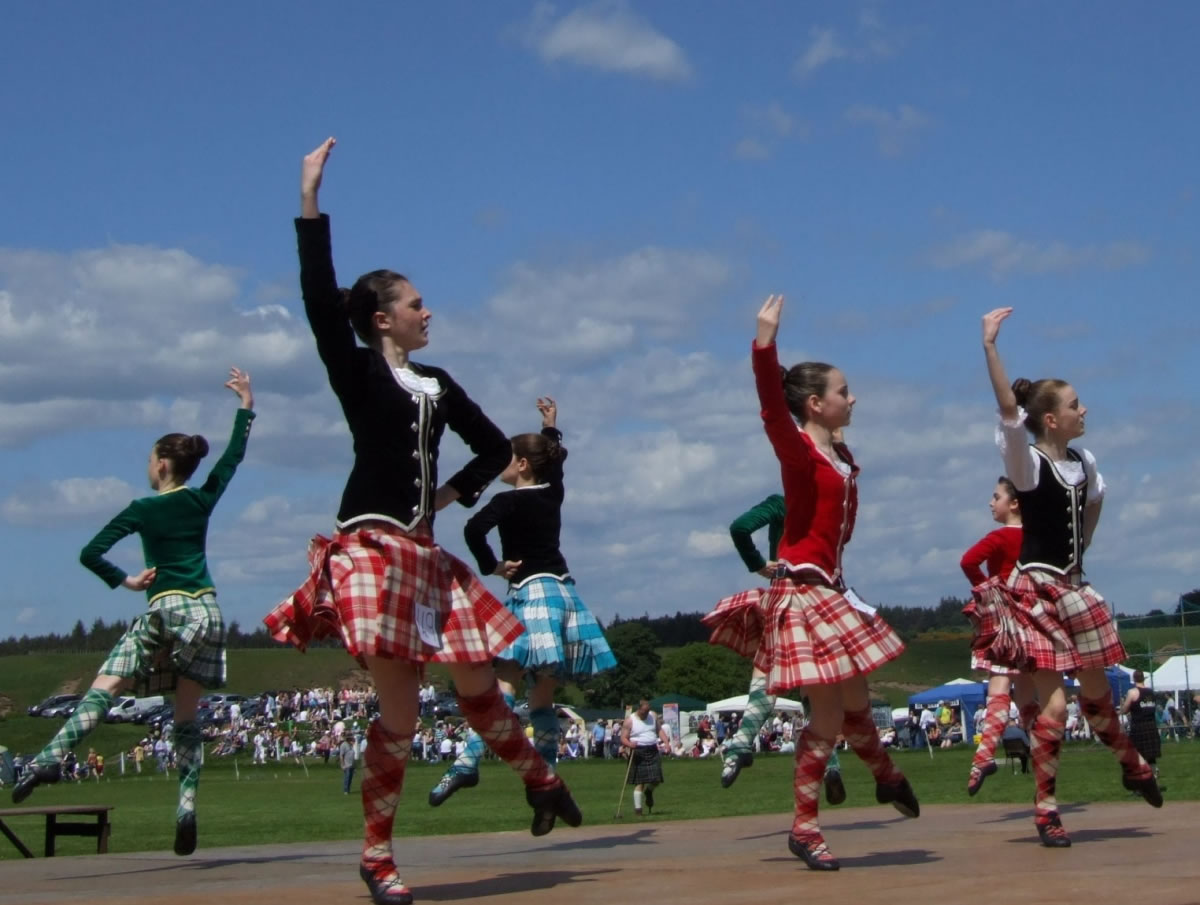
(415, 383)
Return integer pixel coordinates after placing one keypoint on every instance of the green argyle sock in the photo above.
(188, 742)
(758, 705)
(89, 713)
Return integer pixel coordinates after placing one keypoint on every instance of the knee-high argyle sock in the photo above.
(545, 734)
(89, 713)
(1102, 717)
(859, 729)
(188, 742)
(501, 731)
(812, 753)
(468, 761)
(758, 705)
(1046, 739)
(383, 777)
(991, 727)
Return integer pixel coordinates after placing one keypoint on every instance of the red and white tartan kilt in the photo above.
(813, 636)
(1000, 639)
(1058, 605)
(363, 586)
(737, 622)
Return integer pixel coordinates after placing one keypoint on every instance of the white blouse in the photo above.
(1022, 465)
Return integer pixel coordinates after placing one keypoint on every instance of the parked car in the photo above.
(52, 702)
(219, 699)
(152, 716)
(122, 710)
(445, 705)
(64, 709)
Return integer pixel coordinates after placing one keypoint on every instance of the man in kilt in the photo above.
(641, 733)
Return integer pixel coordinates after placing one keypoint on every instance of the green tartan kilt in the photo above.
(180, 635)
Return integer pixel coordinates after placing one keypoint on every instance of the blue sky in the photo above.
(593, 200)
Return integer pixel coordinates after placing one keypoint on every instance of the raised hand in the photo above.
(141, 581)
(1005, 398)
(311, 171)
(768, 320)
(549, 411)
(991, 324)
(239, 382)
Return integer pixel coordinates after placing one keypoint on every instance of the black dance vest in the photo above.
(1052, 520)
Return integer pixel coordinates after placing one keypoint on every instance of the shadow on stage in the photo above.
(1103, 834)
(901, 858)
(833, 828)
(637, 837)
(505, 884)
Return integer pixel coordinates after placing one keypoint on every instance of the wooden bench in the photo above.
(55, 828)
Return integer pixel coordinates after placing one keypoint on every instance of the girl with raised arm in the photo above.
(1067, 625)
(562, 639)
(997, 550)
(181, 639)
(817, 635)
(381, 584)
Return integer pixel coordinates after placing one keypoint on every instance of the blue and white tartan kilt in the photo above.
(562, 637)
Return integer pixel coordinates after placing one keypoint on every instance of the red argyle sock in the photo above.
(991, 727)
(383, 777)
(859, 729)
(1046, 744)
(501, 731)
(1102, 717)
(812, 753)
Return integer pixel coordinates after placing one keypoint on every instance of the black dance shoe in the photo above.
(550, 803)
(900, 796)
(733, 765)
(391, 892)
(185, 834)
(1147, 788)
(451, 783)
(978, 775)
(813, 852)
(835, 789)
(35, 775)
(1053, 835)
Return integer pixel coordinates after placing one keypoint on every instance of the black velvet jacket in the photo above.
(396, 429)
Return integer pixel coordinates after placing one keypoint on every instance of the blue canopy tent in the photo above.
(970, 696)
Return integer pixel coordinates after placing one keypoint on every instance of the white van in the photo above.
(126, 708)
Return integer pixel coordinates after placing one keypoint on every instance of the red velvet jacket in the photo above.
(821, 502)
(1000, 550)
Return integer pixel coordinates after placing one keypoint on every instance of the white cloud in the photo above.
(66, 499)
(894, 131)
(872, 40)
(607, 35)
(823, 47)
(708, 544)
(751, 149)
(26, 616)
(1003, 254)
(83, 330)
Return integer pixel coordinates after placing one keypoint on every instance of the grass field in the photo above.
(254, 805)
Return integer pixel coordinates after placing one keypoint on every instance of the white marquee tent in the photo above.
(739, 703)
(1180, 673)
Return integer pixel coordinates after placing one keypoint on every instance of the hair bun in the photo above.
(198, 446)
(558, 453)
(1021, 387)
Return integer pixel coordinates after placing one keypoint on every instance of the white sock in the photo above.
(637, 801)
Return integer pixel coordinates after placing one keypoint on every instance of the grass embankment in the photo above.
(281, 803)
